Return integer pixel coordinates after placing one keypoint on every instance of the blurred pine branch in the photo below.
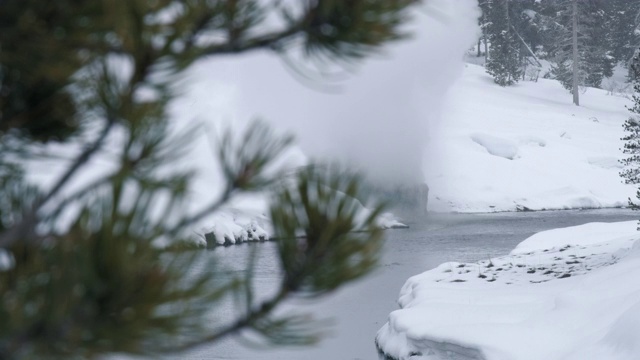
(84, 277)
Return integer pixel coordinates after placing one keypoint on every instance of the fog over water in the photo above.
(379, 117)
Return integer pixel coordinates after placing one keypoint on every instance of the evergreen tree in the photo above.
(631, 172)
(579, 53)
(484, 22)
(567, 66)
(597, 60)
(504, 62)
(79, 276)
(621, 21)
(526, 24)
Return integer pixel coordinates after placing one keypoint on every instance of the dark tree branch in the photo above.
(78, 163)
(271, 41)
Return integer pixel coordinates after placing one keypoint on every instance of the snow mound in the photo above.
(234, 226)
(561, 294)
(562, 157)
(496, 146)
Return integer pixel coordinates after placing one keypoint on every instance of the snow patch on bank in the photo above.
(496, 146)
(561, 294)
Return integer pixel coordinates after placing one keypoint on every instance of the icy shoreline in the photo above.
(561, 294)
(234, 226)
(526, 209)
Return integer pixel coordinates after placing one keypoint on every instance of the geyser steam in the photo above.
(386, 111)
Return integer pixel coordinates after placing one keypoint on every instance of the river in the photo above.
(359, 309)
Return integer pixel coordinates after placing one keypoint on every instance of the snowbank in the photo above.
(233, 226)
(526, 146)
(562, 294)
(246, 219)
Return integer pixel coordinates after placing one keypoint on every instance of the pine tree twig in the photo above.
(272, 41)
(78, 163)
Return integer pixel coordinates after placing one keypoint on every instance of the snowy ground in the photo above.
(569, 293)
(526, 147)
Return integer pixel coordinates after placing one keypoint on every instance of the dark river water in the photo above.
(359, 309)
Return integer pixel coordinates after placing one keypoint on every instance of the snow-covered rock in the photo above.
(562, 294)
(233, 226)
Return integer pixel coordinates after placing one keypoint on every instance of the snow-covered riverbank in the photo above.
(526, 146)
(569, 293)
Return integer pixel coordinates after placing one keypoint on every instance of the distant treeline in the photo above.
(519, 36)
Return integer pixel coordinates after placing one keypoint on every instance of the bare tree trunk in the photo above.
(575, 90)
(484, 40)
(486, 48)
(506, 10)
(479, 52)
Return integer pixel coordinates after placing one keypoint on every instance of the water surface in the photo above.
(361, 308)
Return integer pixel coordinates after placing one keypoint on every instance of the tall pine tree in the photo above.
(598, 61)
(504, 62)
(578, 44)
(631, 172)
(619, 28)
(567, 54)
